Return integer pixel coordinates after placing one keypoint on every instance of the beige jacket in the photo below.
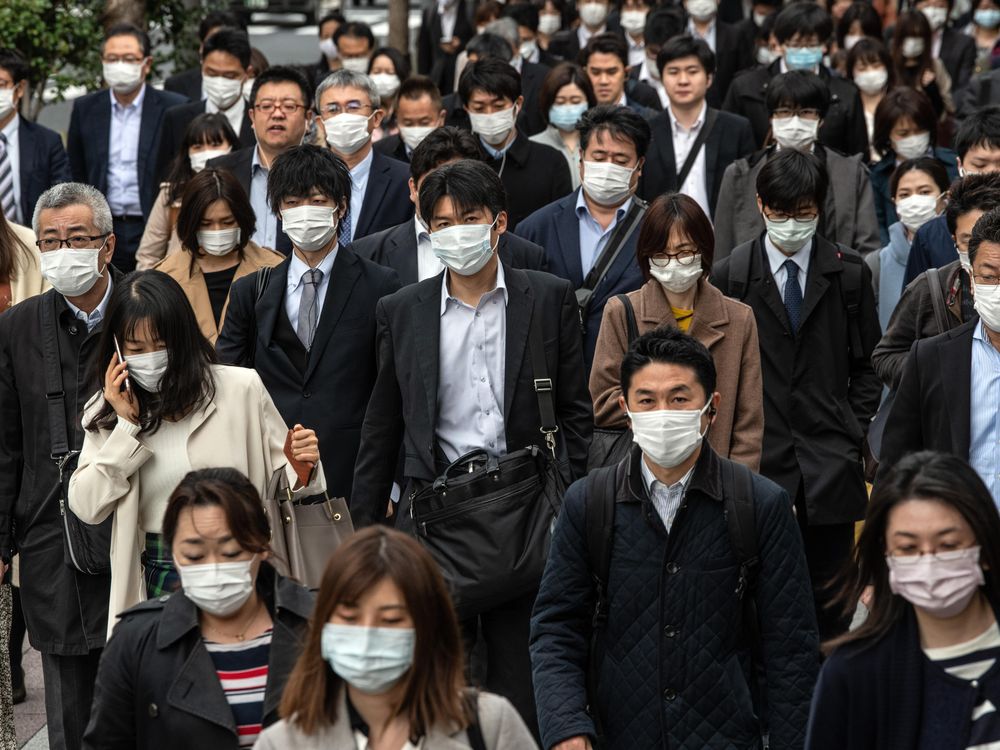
(240, 428)
(160, 236)
(499, 722)
(27, 281)
(178, 267)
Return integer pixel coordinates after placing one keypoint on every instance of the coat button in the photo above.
(306, 394)
(670, 631)
(153, 711)
(670, 694)
(672, 568)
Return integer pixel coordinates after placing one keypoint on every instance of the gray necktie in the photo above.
(308, 311)
(7, 204)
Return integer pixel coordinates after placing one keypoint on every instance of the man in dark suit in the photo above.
(687, 66)
(529, 119)
(802, 30)
(114, 136)
(605, 58)
(187, 83)
(946, 397)
(817, 325)
(30, 154)
(954, 48)
(594, 20)
(419, 111)
(575, 230)
(424, 399)
(407, 248)
(225, 59)
(533, 174)
(445, 28)
(311, 333)
(525, 15)
(730, 54)
(662, 25)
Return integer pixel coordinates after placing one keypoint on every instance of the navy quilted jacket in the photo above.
(671, 674)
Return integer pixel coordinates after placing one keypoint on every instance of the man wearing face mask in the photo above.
(651, 540)
(355, 43)
(445, 29)
(310, 329)
(419, 111)
(817, 324)
(605, 58)
(947, 396)
(65, 610)
(589, 236)
(566, 44)
(724, 41)
(662, 25)
(955, 49)
(348, 112)
(114, 136)
(529, 117)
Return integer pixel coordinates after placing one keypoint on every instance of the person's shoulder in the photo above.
(542, 282)
(498, 718)
(747, 80)
(231, 380)
(410, 294)
(542, 152)
(233, 158)
(167, 99)
(540, 215)
(739, 312)
(394, 166)
(140, 621)
(89, 100)
(369, 267)
(26, 310)
(729, 120)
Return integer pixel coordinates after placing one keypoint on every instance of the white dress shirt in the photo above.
(14, 159)
(234, 114)
(448, 15)
(123, 156)
(294, 285)
(636, 50)
(428, 264)
(583, 34)
(666, 499)
(776, 259)
(359, 184)
(708, 38)
(93, 318)
(695, 184)
(266, 233)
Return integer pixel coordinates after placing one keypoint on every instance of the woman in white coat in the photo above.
(166, 410)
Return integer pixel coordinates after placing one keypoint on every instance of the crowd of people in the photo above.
(654, 348)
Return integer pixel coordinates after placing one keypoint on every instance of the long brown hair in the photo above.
(10, 247)
(433, 686)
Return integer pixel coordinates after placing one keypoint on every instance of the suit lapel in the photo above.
(401, 252)
(152, 111)
(712, 144)
(568, 226)
(102, 126)
(665, 150)
(196, 690)
(427, 339)
(343, 276)
(520, 305)
(955, 366)
(26, 154)
(763, 280)
(824, 262)
(270, 308)
(378, 183)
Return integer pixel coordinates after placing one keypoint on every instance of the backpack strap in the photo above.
(738, 507)
(476, 741)
(261, 278)
(739, 270)
(630, 322)
(850, 292)
(941, 317)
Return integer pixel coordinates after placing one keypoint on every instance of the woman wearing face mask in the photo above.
(858, 21)
(387, 69)
(905, 128)
(871, 69)
(382, 666)
(985, 31)
(675, 253)
(920, 671)
(915, 64)
(919, 188)
(565, 95)
(166, 410)
(204, 667)
(551, 18)
(215, 224)
(206, 137)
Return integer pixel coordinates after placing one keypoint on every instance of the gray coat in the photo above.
(848, 214)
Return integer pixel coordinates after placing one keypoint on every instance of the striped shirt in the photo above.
(970, 661)
(242, 670)
(984, 418)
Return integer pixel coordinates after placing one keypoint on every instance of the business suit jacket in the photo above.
(403, 407)
(533, 176)
(731, 138)
(556, 228)
(933, 400)
(187, 83)
(958, 55)
(327, 387)
(43, 163)
(530, 119)
(90, 131)
(730, 58)
(432, 61)
(817, 400)
(843, 127)
(393, 147)
(175, 123)
(396, 248)
(565, 44)
(387, 197)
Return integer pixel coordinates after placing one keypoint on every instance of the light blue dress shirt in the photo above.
(294, 284)
(266, 233)
(496, 153)
(472, 355)
(666, 500)
(359, 185)
(123, 156)
(984, 416)
(592, 237)
(776, 261)
(14, 159)
(93, 318)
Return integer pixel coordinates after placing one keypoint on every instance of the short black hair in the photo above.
(662, 24)
(864, 14)
(14, 63)
(790, 177)
(487, 45)
(491, 75)
(619, 122)
(355, 30)
(805, 18)
(987, 229)
(686, 46)
(216, 18)
(608, 43)
(400, 63)
(981, 128)
(471, 185)
(282, 74)
(302, 169)
(974, 192)
(801, 89)
(443, 145)
(128, 29)
(417, 87)
(524, 14)
(232, 41)
(926, 164)
(333, 15)
(669, 345)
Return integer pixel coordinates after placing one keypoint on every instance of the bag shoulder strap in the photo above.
(739, 271)
(850, 290)
(55, 396)
(937, 300)
(738, 508)
(542, 384)
(617, 240)
(630, 323)
(699, 141)
(261, 278)
(475, 733)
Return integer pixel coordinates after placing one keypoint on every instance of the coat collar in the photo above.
(710, 313)
(706, 479)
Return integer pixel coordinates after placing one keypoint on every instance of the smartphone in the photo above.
(121, 359)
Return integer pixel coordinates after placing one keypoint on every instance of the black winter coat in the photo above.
(157, 687)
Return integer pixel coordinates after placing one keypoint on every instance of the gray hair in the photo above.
(506, 29)
(342, 79)
(75, 194)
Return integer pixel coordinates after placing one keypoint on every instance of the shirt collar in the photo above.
(363, 168)
(776, 258)
(493, 152)
(675, 126)
(649, 480)
(297, 267)
(709, 32)
(256, 163)
(446, 295)
(420, 230)
(137, 102)
(582, 207)
(623, 102)
(979, 333)
(517, 63)
(94, 318)
(10, 131)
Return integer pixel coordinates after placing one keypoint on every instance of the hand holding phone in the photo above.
(121, 359)
(118, 391)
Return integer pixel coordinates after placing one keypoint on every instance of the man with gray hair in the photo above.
(348, 107)
(46, 376)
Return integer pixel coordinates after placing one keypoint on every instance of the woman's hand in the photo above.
(927, 77)
(305, 445)
(122, 401)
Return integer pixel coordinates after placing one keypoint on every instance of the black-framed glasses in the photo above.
(779, 218)
(783, 113)
(986, 280)
(76, 242)
(683, 257)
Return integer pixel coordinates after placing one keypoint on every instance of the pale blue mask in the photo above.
(803, 58)
(370, 659)
(987, 18)
(566, 116)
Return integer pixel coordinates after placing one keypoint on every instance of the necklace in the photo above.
(240, 636)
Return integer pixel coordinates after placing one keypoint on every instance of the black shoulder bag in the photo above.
(608, 447)
(699, 141)
(86, 547)
(487, 521)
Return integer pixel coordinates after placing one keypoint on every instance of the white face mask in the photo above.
(633, 21)
(464, 248)
(936, 17)
(222, 92)
(850, 40)
(371, 660)
(795, 132)
(916, 210)
(963, 259)
(759, 18)
(607, 183)
(247, 88)
(219, 241)
(414, 136)
(123, 77)
(328, 48)
(148, 369)
(871, 81)
(218, 588)
(549, 24)
(387, 84)
(675, 276)
(766, 55)
(912, 146)
(347, 133)
(913, 46)
(668, 436)
(355, 64)
(701, 10)
(792, 234)
(986, 300)
(72, 272)
(528, 49)
(593, 14)
(495, 126)
(199, 159)
(6, 102)
(310, 228)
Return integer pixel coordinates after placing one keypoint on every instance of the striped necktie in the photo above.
(7, 203)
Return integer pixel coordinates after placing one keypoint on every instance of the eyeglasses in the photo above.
(986, 280)
(780, 218)
(806, 114)
(351, 108)
(289, 108)
(130, 59)
(76, 242)
(683, 257)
